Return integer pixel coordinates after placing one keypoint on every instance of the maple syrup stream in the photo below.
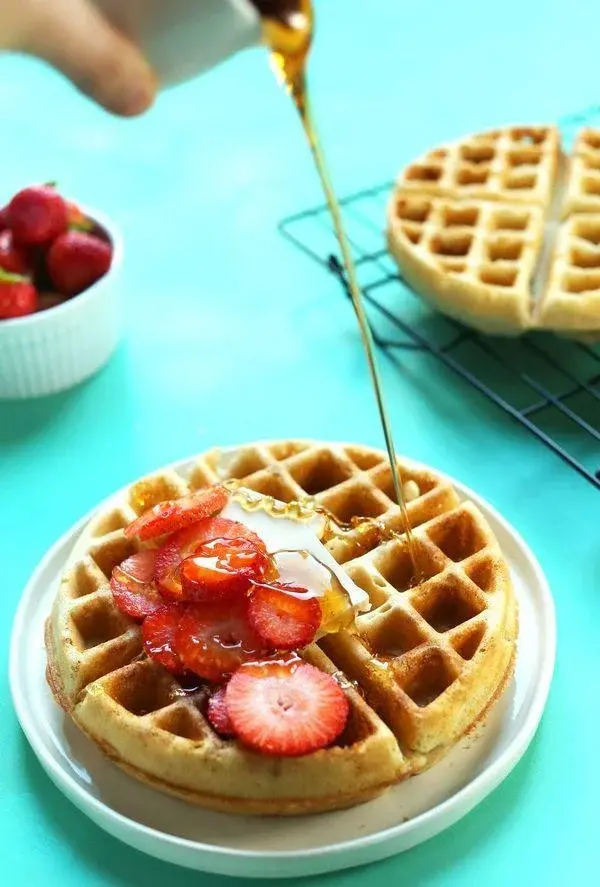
(289, 37)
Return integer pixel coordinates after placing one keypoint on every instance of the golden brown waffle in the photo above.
(514, 165)
(515, 250)
(419, 670)
(473, 259)
(572, 299)
(582, 193)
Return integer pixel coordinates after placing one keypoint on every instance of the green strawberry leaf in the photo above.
(10, 277)
(85, 225)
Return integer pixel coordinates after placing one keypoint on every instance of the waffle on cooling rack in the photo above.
(501, 231)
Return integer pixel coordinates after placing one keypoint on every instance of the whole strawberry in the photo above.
(76, 260)
(77, 219)
(36, 215)
(12, 257)
(48, 300)
(18, 296)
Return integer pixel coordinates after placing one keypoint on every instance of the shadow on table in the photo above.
(20, 419)
(119, 864)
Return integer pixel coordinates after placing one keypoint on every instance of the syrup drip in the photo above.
(345, 683)
(289, 36)
(301, 509)
(189, 684)
(308, 508)
(336, 604)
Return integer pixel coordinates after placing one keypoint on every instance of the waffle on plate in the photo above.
(501, 230)
(420, 665)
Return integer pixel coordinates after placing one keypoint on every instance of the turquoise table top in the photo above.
(232, 334)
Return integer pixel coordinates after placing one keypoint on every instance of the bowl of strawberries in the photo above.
(59, 298)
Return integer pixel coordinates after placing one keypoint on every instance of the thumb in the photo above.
(75, 38)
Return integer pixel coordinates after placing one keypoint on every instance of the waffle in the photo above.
(514, 165)
(420, 669)
(582, 194)
(500, 231)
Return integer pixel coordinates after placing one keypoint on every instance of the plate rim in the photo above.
(481, 785)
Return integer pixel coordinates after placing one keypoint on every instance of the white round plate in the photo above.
(226, 844)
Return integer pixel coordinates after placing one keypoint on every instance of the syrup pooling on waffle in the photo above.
(418, 644)
(352, 485)
(426, 662)
(495, 255)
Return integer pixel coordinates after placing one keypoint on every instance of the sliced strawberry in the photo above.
(213, 640)
(184, 543)
(158, 633)
(190, 540)
(133, 588)
(285, 708)
(168, 561)
(218, 714)
(167, 517)
(284, 616)
(222, 569)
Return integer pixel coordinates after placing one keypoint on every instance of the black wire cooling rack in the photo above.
(550, 385)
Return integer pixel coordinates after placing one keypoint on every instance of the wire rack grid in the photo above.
(551, 386)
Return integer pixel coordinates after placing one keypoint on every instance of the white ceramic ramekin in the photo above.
(56, 349)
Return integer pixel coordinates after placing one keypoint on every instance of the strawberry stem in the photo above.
(85, 225)
(10, 277)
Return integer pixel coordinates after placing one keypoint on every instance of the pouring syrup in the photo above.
(288, 30)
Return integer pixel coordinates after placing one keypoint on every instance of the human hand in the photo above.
(74, 37)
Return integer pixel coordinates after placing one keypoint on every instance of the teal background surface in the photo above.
(231, 334)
